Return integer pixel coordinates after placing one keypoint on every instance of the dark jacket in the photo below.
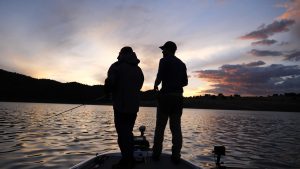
(125, 79)
(172, 74)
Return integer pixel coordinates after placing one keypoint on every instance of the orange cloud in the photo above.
(293, 10)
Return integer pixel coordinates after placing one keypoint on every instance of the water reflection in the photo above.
(29, 138)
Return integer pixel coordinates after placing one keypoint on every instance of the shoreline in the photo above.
(212, 105)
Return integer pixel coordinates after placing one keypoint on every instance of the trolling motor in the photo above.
(141, 146)
(140, 142)
(219, 151)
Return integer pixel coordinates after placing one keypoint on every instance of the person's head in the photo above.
(127, 55)
(169, 48)
(126, 50)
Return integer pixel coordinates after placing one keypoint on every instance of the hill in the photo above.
(18, 87)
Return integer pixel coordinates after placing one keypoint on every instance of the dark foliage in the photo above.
(17, 87)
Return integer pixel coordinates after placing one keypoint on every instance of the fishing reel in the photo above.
(219, 151)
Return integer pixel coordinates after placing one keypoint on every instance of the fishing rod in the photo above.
(102, 97)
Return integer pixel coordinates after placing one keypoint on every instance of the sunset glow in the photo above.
(229, 46)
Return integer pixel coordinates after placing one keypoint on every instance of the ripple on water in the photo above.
(252, 139)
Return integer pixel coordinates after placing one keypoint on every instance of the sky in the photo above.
(245, 47)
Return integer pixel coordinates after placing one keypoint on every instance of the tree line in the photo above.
(21, 88)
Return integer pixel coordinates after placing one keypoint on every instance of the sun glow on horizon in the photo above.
(78, 42)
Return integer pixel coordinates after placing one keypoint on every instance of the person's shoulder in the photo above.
(162, 60)
(138, 67)
(115, 65)
(179, 60)
(181, 63)
(140, 70)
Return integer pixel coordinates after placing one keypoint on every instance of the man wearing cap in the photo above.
(172, 74)
(124, 80)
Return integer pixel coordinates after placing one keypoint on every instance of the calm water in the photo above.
(29, 138)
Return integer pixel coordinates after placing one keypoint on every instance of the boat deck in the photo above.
(106, 161)
(163, 163)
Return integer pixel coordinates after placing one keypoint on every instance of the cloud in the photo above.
(293, 12)
(264, 32)
(283, 43)
(258, 63)
(264, 42)
(288, 55)
(293, 56)
(252, 79)
(256, 52)
(78, 41)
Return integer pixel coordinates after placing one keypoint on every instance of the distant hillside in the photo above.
(18, 87)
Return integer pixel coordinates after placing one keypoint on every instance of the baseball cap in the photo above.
(169, 45)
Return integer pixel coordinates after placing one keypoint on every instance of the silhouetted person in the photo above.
(125, 79)
(172, 74)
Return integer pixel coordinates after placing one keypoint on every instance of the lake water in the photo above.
(30, 137)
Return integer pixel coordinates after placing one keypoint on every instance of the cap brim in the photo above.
(162, 47)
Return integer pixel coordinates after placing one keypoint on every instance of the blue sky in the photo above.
(227, 45)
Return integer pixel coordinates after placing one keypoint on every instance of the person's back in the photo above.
(127, 91)
(173, 75)
(125, 79)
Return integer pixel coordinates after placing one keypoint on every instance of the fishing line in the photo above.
(102, 97)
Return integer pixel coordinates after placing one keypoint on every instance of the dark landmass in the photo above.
(284, 102)
(16, 87)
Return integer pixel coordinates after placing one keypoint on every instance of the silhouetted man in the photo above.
(172, 74)
(125, 79)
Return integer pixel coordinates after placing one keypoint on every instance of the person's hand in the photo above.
(156, 88)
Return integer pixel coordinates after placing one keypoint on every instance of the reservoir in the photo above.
(31, 137)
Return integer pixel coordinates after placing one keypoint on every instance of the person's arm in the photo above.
(158, 76)
(111, 79)
(185, 77)
(142, 78)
